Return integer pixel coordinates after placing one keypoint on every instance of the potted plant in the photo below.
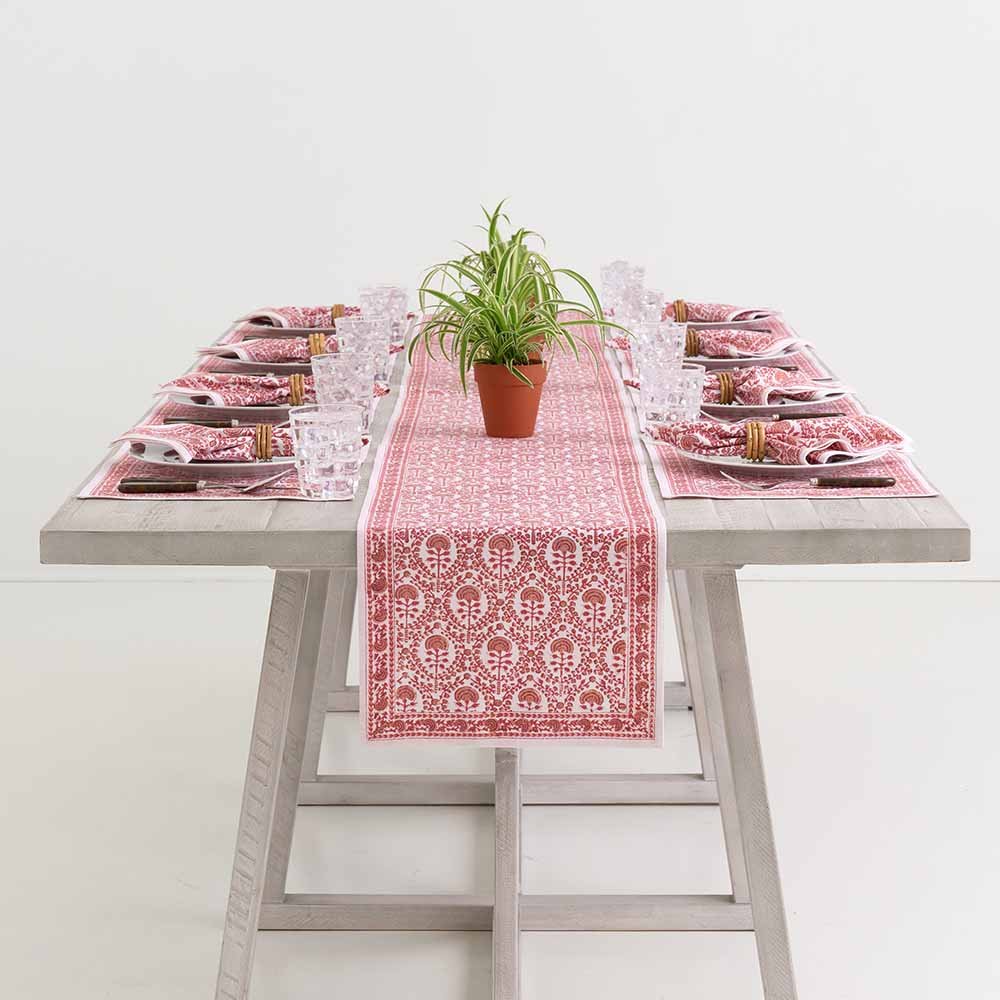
(499, 313)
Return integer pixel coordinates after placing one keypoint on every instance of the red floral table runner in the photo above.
(512, 590)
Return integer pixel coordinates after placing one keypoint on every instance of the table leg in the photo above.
(729, 693)
(331, 670)
(688, 648)
(507, 892)
(267, 815)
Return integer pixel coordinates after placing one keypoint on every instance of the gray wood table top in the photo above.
(294, 534)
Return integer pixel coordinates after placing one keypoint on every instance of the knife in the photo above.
(138, 484)
(852, 482)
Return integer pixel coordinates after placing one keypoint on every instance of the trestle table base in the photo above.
(304, 675)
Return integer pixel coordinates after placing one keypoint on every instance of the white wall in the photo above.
(167, 166)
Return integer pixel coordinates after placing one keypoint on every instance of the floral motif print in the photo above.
(790, 442)
(296, 316)
(224, 389)
(530, 569)
(194, 443)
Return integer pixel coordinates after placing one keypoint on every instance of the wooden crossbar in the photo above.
(536, 790)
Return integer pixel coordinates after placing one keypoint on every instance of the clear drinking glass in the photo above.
(328, 449)
(670, 391)
(368, 336)
(345, 377)
(620, 283)
(656, 341)
(388, 302)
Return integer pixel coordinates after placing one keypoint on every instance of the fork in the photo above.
(823, 482)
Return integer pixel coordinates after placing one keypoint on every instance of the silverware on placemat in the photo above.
(821, 482)
(138, 484)
(216, 423)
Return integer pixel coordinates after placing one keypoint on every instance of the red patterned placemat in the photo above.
(512, 590)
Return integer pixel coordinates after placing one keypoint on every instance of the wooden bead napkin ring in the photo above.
(296, 389)
(727, 389)
(680, 311)
(336, 311)
(263, 440)
(691, 345)
(317, 344)
(755, 441)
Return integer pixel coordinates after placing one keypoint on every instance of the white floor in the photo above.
(125, 723)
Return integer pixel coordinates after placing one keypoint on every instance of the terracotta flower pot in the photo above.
(510, 407)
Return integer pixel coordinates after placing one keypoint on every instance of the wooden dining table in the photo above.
(312, 548)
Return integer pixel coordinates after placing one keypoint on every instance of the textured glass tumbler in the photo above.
(670, 391)
(656, 342)
(345, 377)
(621, 282)
(368, 336)
(328, 449)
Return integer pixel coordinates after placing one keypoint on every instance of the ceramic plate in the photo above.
(774, 359)
(771, 468)
(160, 457)
(738, 411)
(244, 414)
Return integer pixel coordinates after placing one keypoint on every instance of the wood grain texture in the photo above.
(688, 649)
(260, 792)
(331, 668)
(342, 912)
(605, 912)
(691, 593)
(717, 605)
(506, 928)
(536, 790)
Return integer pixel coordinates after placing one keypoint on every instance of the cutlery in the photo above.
(823, 482)
(202, 423)
(216, 423)
(137, 484)
(774, 417)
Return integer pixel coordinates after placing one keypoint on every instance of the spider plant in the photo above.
(502, 305)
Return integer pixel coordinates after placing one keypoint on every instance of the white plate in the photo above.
(773, 359)
(245, 414)
(254, 332)
(735, 324)
(771, 468)
(739, 410)
(157, 457)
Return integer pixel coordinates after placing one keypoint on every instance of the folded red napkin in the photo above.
(242, 390)
(790, 442)
(742, 343)
(298, 316)
(279, 350)
(762, 385)
(194, 443)
(712, 312)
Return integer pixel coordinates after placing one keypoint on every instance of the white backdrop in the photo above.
(167, 166)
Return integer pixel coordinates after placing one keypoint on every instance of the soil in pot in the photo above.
(510, 408)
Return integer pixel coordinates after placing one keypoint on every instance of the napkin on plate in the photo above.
(297, 316)
(714, 312)
(240, 390)
(742, 343)
(194, 443)
(762, 385)
(789, 442)
(278, 350)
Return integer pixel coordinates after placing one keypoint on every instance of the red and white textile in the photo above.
(512, 590)
(717, 312)
(295, 317)
(277, 350)
(194, 443)
(225, 389)
(762, 385)
(790, 442)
